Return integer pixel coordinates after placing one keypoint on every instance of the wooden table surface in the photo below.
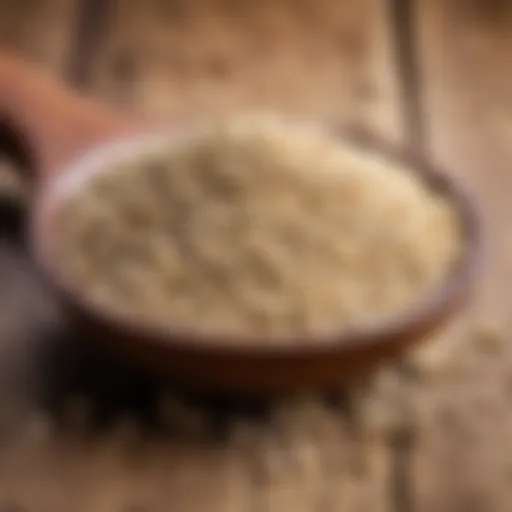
(432, 432)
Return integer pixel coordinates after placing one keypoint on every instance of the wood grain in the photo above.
(332, 60)
(462, 459)
(39, 30)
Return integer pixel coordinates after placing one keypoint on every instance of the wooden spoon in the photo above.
(70, 137)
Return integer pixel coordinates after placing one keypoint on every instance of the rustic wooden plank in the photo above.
(325, 59)
(461, 459)
(39, 30)
(54, 470)
(106, 474)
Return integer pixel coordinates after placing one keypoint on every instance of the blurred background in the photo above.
(430, 432)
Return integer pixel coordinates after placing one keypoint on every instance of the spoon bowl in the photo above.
(73, 138)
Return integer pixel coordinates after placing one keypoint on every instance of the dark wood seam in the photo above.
(405, 33)
(91, 21)
(404, 29)
(401, 443)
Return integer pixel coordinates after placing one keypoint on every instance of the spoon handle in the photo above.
(56, 123)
